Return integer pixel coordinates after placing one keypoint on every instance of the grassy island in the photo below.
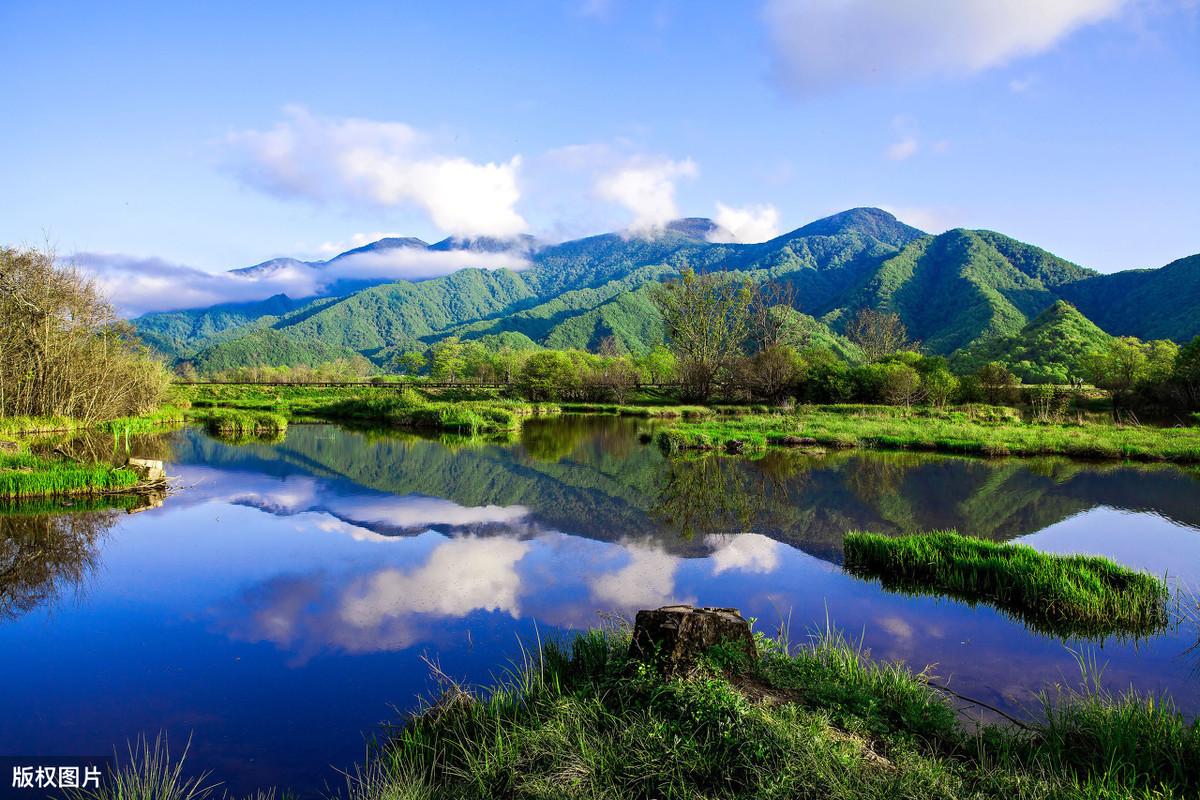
(1063, 595)
(25, 475)
(988, 431)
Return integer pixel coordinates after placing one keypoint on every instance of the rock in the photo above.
(735, 447)
(795, 441)
(674, 637)
(148, 469)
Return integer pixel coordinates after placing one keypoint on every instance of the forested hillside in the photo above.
(974, 292)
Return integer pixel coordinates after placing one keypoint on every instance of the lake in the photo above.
(291, 597)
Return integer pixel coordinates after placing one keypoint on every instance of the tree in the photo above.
(707, 322)
(901, 384)
(446, 360)
(1186, 374)
(998, 383)
(775, 371)
(879, 334)
(63, 350)
(768, 327)
(1128, 362)
(410, 363)
(659, 365)
(548, 375)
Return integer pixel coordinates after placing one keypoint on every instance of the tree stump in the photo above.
(674, 637)
(148, 469)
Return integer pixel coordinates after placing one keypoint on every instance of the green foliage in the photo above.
(1061, 595)
(950, 431)
(1055, 347)
(580, 720)
(23, 475)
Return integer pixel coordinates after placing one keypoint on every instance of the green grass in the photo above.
(24, 475)
(236, 423)
(634, 410)
(146, 423)
(972, 431)
(1062, 595)
(400, 407)
(28, 426)
(824, 721)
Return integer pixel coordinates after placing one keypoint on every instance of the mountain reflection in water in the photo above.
(279, 606)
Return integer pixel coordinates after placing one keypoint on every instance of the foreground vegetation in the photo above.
(23, 474)
(583, 720)
(1061, 595)
(975, 430)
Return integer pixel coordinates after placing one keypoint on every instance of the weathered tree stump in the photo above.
(674, 637)
(148, 469)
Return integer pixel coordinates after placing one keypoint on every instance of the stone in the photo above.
(735, 447)
(148, 469)
(795, 441)
(674, 637)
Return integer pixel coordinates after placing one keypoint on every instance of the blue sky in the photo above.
(222, 135)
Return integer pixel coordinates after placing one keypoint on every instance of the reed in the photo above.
(1063, 595)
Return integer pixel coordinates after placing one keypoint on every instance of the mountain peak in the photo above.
(865, 221)
(692, 227)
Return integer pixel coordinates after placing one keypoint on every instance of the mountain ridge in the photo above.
(954, 291)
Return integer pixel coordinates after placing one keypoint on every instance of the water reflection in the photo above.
(44, 555)
(325, 565)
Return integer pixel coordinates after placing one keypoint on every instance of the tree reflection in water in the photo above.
(44, 555)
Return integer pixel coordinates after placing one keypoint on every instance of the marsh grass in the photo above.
(967, 431)
(1061, 595)
(25, 475)
(236, 423)
(403, 407)
(580, 720)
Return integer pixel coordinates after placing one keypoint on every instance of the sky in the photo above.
(158, 143)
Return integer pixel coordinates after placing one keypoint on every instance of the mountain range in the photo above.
(962, 290)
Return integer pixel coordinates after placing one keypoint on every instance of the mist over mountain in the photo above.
(954, 291)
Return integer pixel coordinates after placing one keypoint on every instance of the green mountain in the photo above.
(954, 291)
(1052, 348)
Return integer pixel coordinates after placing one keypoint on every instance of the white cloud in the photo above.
(647, 580)
(745, 224)
(647, 189)
(330, 248)
(138, 285)
(904, 148)
(743, 552)
(1021, 85)
(380, 163)
(828, 44)
(462, 575)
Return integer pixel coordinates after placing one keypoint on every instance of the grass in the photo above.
(645, 411)
(1063, 595)
(25, 475)
(146, 423)
(580, 719)
(823, 721)
(243, 424)
(400, 407)
(971, 431)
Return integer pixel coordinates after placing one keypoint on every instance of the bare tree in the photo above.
(768, 326)
(63, 350)
(878, 333)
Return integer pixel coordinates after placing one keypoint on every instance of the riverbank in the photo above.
(987, 431)
(583, 719)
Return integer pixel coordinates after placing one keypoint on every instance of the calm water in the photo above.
(279, 607)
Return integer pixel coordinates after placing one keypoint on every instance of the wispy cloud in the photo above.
(646, 188)
(350, 160)
(745, 224)
(822, 45)
(139, 285)
(903, 148)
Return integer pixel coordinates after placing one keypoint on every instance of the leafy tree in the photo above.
(879, 334)
(1128, 362)
(901, 384)
(446, 361)
(1187, 373)
(548, 375)
(707, 321)
(775, 371)
(409, 363)
(998, 383)
(659, 365)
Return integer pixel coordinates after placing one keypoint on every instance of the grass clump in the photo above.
(943, 430)
(239, 424)
(581, 720)
(1063, 595)
(25, 475)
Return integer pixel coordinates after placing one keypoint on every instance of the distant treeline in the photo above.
(735, 341)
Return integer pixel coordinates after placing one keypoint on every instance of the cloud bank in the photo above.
(139, 285)
(822, 45)
(647, 189)
(747, 225)
(385, 164)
